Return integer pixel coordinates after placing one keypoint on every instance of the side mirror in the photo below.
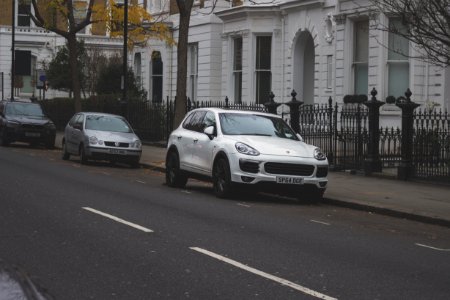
(300, 137)
(209, 131)
(78, 126)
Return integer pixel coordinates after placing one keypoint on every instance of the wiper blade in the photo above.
(257, 134)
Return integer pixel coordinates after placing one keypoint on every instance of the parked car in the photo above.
(244, 148)
(100, 136)
(22, 120)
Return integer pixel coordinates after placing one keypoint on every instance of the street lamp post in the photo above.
(13, 50)
(125, 59)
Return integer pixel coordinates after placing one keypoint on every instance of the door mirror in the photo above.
(78, 126)
(300, 137)
(210, 132)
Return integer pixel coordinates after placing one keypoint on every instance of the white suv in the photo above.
(244, 148)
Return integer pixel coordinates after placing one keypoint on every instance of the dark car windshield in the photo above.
(254, 124)
(107, 123)
(24, 109)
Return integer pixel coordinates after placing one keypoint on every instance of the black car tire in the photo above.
(222, 178)
(134, 163)
(65, 155)
(50, 143)
(3, 139)
(311, 194)
(83, 158)
(174, 176)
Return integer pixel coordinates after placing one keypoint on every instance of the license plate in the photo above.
(32, 134)
(289, 180)
(116, 151)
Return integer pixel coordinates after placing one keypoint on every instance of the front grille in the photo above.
(289, 169)
(32, 127)
(322, 171)
(113, 144)
(249, 166)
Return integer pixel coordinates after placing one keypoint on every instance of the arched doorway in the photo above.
(304, 55)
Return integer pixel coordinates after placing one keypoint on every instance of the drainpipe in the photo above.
(283, 13)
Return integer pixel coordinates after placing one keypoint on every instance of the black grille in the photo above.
(322, 171)
(113, 144)
(249, 166)
(32, 127)
(289, 169)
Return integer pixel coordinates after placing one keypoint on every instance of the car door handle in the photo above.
(179, 137)
(195, 140)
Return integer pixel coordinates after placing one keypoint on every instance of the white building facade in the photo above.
(245, 49)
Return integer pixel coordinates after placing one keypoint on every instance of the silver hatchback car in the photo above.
(100, 136)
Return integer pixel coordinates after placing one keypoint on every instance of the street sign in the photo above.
(40, 74)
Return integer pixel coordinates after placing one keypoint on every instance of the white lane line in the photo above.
(320, 222)
(430, 247)
(265, 275)
(139, 227)
(143, 182)
(244, 205)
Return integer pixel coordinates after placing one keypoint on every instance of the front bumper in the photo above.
(263, 170)
(30, 134)
(116, 154)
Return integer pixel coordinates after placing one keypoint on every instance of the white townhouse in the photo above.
(244, 49)
(319, 48)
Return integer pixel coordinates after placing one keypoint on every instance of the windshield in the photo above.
(107, 123)
(24, 109)
(254, 124)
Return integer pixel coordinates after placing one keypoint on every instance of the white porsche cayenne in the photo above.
(244, 148)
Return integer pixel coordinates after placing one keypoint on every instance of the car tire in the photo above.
(222, 178)
(83, 158)
(3, 139)
(174, 176)
(50, 144)
(134, 163)
(312, 194)
(65, 155)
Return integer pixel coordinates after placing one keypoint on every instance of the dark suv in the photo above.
(24, 121)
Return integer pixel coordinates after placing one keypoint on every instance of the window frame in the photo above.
(237, 69)
(192, 71)
(356, 63)
(260, 70)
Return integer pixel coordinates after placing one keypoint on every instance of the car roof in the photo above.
(99, 114)
(238, 111)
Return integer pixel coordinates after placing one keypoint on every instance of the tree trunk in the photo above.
(72, 45)
(181, 99)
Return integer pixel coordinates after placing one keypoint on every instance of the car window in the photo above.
(186, 123)
(107, 123)
(253, 124)
(79, 121)
(24, 109)
(196, 122)
(209, 120)
(72, 121)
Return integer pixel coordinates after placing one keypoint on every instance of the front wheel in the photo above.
(65, 154)
(174, 176)
(83, 157)
(222, 178)
(3, 138)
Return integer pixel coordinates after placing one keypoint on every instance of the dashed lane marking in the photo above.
(320, 222)
(282, 281)
(430, 247)
(139, 227)
(244, 205)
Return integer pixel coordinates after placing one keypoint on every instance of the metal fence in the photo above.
(341, 130)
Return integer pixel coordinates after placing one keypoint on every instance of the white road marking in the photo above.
(143, 182)
(320, 222)
(244, 205)
(430, 247)
(186, 192)
(139, 227)
(263, 274)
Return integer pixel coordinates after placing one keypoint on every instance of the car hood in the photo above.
(275, 146)
(29, 120)
(112, 136)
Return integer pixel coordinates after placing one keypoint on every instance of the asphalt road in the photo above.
(111, 232)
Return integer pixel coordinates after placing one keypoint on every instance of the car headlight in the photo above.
(246, 149)
(319, 155)
(136, 144)
(12, 123)
(93, 140)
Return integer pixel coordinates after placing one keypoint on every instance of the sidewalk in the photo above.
(422, 202)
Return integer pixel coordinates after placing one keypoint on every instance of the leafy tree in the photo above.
(58, 16)
(427, 26)
(57, 75)
(109, 80)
